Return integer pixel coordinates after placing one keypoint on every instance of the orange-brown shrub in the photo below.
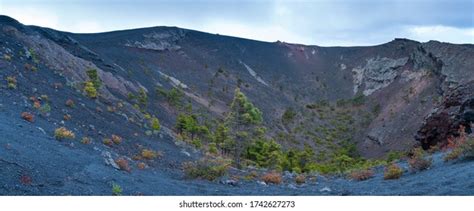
(69, 103)
(272, 178)
(25, 179)
(27, 116)
(141, 165)
(37, 104)
(149, 154)
(300, 179)
(137, 157)
(361, 175)
(123, 164)
(86, 140)
(67, 117)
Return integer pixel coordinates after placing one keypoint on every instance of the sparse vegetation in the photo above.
(45, 108)
(86, 140)
(67, 117)
(122, 163)
(30, 67)
(462, 147)
(33, 55)
(69, 103)
(155, 124)
(63, 133)
(11, 82)
(300, 179)
(418, 161)
(288, 115)
(207, 168)
(358, 100)
(392, 171)
(272, 178)
(94, 83)
(360, 175)
(108, 142)
(27, 116)
(94, 78)
(173, 96)
(116, 139)
(141, 165)
(7, 57)
(394, 156)
(90, 90)
(116, 190)
(149, 154)
(189, 128)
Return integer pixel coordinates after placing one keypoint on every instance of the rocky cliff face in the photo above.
(456, 109)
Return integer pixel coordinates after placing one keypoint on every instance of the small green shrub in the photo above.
(155, 124)
(11, 82)
(173, 96)
(358, 100)
(90, 90)
(94, 78)
(34, 57)
(197, 143)
(45, 108)
(394, 156)
(288, 116)
(116, 190)
(213, 148)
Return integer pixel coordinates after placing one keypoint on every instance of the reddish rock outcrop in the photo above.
(456, 109)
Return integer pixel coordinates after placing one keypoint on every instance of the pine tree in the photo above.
(242, 121)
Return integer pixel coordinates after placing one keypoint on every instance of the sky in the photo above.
(311, 22)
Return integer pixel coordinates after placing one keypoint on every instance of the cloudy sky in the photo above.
(317, 22)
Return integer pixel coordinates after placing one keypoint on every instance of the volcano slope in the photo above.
(120, 94)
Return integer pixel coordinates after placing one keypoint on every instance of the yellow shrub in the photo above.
(63, 133)
(86, 140)
(393, 171)
(90, 90)
(108, 142)
(149, 154)
(11, 82)
(116, 139)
